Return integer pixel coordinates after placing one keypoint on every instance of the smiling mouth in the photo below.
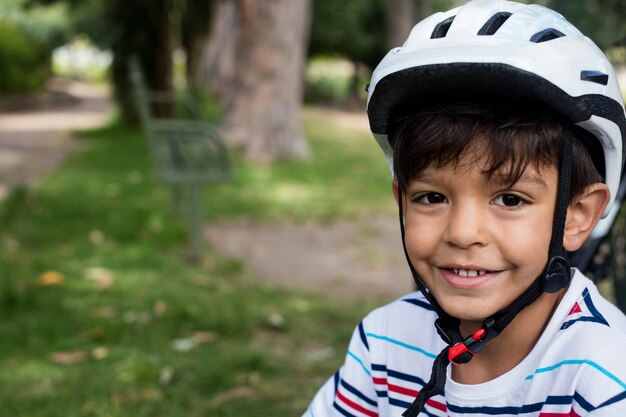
(468, 272)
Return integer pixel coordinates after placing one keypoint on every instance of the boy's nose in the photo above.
(466, 227)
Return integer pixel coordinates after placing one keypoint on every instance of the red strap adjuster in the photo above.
(463, 352)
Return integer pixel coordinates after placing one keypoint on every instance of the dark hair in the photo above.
(513, 135)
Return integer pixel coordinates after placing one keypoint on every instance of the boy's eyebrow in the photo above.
(501, 178)
(524, 178)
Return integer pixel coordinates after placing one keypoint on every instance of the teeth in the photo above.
(468, 272)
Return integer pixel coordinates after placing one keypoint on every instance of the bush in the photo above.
(24, 62)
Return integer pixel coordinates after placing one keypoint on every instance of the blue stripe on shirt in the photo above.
(341, 410)
(356, 358)
(579, 362)
(494, 411)
(592, 307)
(526, 408)
(398, 375)
(420, 303)
(596, 316)
(616, 399)
(363, 338)
(404, 345)
(358, 393)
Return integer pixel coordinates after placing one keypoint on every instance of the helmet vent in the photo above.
(494, 23)
(441, 30)
(546, 35)
(595, 77)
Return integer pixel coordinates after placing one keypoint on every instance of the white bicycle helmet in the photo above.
(505, 51)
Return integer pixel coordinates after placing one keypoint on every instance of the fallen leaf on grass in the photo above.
(233, 394)
(51, 278)
(96, 333)
(204, 337)
(166, 375)
(96, 237)
(10, 245)
(102, 277)
(69, 358)
(185, 344)
(276, 321)
(159, 308)
(100, 353)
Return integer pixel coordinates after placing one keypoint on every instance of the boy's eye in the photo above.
(430, 198)
(508, 200)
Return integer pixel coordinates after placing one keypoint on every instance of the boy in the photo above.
(503, 126)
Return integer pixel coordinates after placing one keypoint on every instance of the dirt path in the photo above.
(35, 132)
(344, 257)
(361, 257)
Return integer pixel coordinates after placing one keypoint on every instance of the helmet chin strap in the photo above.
(555, 276)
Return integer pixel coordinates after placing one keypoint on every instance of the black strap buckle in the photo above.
(558, 274)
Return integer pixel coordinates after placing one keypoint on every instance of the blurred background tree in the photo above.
(249, 55)
(28, 35)
(262, 113)
(604, 21)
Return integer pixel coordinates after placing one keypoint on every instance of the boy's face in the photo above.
(478, 242)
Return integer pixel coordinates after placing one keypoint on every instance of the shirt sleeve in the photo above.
(350, 392)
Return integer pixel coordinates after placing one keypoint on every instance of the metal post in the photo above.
(195, 220)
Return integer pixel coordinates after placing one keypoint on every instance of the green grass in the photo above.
(346, 178)
(102, 230)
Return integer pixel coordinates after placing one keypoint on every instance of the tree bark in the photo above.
(216, 68)
(400, 21)
(262, 115)
(195, 26)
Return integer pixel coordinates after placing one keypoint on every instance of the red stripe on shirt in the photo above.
(413, 393)
(571, 413)
(356, 406)
(380, 381)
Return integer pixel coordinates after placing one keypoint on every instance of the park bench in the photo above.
(186, 153)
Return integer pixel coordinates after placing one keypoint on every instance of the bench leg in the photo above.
(195, 220)
(177, 198)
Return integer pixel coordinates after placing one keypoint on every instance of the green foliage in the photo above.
(145, 29)
(27, 38)
(354, 29)
(46, 25)
(604, 21)
(23, 61)
(329, 81)
(143, 333)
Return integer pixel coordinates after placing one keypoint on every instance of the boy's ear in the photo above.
(583, 214)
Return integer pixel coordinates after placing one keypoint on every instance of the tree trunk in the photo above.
(422, 10)
(217, 62)
(150, 40)
(400, 21)
(263, 115)
(193, 51)
(195, 26)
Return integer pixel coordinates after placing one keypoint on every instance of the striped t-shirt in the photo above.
(577, 367)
